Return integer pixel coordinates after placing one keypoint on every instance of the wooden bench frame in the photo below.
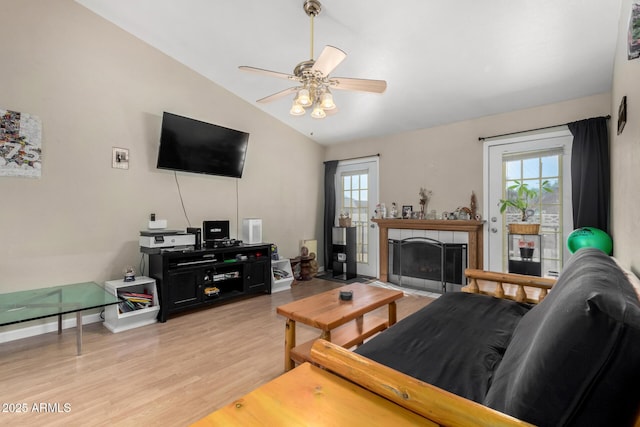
(433, 403)
(518, 287)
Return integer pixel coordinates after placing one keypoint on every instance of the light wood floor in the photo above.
(168, 374)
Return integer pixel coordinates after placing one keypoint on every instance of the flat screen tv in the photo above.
(190, 145)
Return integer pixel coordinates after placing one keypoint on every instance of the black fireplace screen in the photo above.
(430, 259)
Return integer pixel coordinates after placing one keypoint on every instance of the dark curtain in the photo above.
(330, 168)
(590, 173)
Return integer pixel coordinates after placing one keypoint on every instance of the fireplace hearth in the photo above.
(423, 262)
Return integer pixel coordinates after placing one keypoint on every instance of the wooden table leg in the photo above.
(326, 335)
(60, 315)
(360, 325)
(289, 343)
(79, 331)
(392, 313)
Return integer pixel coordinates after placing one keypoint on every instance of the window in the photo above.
(355, 201)
(534, 168)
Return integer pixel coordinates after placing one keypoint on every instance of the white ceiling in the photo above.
(444, 61)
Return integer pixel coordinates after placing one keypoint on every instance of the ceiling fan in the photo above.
(314, 83)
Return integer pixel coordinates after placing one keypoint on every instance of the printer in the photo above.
(154, 240)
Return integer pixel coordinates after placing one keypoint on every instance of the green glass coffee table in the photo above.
(23, 306)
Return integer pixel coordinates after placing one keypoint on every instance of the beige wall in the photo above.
(95, 87)
(625, 152)
(448, 159)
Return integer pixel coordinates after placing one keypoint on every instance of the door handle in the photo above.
(494, 230)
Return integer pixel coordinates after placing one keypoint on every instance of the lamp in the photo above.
(326, 101)
(297, 109)
(303, 98)
(318, 112)
(314, 93)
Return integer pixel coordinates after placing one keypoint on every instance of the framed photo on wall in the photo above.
(622, 114)
(633, 46)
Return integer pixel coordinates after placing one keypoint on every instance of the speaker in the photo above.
(252, 230)
(198, 232)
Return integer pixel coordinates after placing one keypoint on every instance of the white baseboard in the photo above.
(45, 328)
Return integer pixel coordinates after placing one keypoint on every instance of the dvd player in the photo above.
(223, 243)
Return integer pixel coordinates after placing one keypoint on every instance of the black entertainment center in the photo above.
(204, 277)
(213, 268)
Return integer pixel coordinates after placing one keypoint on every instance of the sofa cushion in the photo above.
(455, 342)
(575, 358)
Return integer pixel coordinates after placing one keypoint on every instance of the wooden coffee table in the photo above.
(340, 322)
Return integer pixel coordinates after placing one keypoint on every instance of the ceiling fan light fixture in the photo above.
(326, 101)
(297, 109)
(303, 98)
(313, 77)
(318, 112)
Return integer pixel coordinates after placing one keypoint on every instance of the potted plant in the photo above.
(521, 197)
(526, 249)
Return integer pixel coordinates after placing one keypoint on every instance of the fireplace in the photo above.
(421, 262)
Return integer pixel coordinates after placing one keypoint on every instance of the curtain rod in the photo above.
(356, 158)
(482, 138)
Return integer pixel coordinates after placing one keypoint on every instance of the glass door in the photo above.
(356, 191)
(531, 159)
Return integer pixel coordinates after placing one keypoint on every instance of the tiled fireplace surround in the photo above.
(419, 264)
(446, 231)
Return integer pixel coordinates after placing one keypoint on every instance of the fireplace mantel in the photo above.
(473, 228)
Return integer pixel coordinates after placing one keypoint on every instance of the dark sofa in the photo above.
(573, 359)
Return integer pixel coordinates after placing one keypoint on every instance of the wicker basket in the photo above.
(344, 222)
(524, 228)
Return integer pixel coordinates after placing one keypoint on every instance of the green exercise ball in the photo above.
(589, 237)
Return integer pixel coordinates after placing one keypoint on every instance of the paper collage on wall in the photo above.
(20, 144)
(633, 48)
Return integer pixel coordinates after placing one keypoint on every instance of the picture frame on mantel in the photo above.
(622, 114)
(406, 211)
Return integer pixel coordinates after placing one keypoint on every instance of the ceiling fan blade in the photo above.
(361, 85)
(268, 73)
(329, 58)
(277, 95)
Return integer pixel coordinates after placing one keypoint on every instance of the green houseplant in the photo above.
(521, 196)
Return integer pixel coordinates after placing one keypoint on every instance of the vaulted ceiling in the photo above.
(444, 61)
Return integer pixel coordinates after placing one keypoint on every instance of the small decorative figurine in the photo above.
(473, 206)
(344, 220)
(425, 195)
(394, 210)
(129, 274)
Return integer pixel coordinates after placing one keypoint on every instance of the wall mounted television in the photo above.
(190, 145)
